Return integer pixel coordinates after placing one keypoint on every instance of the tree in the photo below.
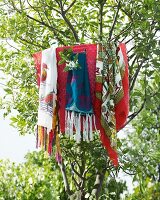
(34, 25)
(34, 179)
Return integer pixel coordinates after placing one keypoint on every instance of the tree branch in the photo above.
(98, 183)
(129, 15)
(131, 117)
(12, 45)
(115, 20)
(70, 6)
(36, 20)
(3, 84)
(131, 174)
(130, 39)
(49, 22)
(70, 26)
(123, 31)
(75, 171)
(63, 13)
(101, 6)
(130, 49)
(65, 179)
(133, 80)
(30, 42)
(35, 10)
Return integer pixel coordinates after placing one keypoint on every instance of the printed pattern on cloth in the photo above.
(109, 91)
(78, 102)
(48, 88)
(47, 125)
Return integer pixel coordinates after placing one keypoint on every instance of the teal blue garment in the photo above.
(78, 95)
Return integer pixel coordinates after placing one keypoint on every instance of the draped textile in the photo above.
(121, 108)
(78, 102)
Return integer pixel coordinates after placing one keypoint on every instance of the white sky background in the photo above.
(13, 146)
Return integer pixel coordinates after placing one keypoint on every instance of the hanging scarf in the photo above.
(47, 89)
(78, 101)
(109, 91)
(47, 130)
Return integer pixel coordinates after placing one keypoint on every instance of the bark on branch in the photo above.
(98, 183)
(70, 6)
(63, 13)
(65, 179)
(36, 20)
(133, 80)
(115, 20)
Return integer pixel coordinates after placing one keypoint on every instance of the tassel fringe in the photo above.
(78, 126)
(45, 140)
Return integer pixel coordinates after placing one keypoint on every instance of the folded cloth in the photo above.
(48, 88)
(122, 106)
(78, 101)
(109, 90)
(47, 125)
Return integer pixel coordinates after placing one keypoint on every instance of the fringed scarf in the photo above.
(47, 125)
(79, 111)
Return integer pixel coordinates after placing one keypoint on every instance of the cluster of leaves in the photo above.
(37, 178)
(69, 59)
(21, 91)
(147, 191)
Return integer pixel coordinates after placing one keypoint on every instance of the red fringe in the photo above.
(50, 142)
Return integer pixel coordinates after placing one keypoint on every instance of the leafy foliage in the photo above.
(35, 25)
(30, 180)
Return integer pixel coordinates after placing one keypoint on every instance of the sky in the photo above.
(12, 145)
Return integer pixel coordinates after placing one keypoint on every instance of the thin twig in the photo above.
(101, 6)
(3, 84)
(133, 80)
(131, 68)
(70, 6)
(131, 174)
(31, 42)
(123, 31)
(115, 20)
(36, 20)
(55, 32)
(12, 45)
(131, 49)
(131, 117)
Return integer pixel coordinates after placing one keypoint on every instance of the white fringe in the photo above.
(73, 121)
(90, 128)
(78, 127)
(84, 135)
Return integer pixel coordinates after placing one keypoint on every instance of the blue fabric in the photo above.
(78, 96)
